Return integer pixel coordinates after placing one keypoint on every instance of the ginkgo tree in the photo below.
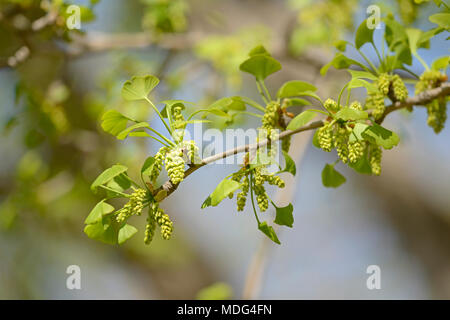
(354, 128)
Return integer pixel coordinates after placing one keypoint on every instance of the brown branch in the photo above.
(419, 100)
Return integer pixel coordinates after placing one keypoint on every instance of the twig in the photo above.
(255, 271)
(419, 100)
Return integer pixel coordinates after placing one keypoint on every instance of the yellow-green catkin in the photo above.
(237, 176)
(355, 150)
(399, 88)
(241, 197)
(150, 228)
(271, 116)
(436, 109)
(261, 196)
(341, 141)
(157, 166)
(331, 105)
(375, 160)
(325, 137)
(437, 114)
(191, 148)
(274, 180)
(163, 220)
(175, 165)
(356, 105)
(375, 101)
(134, 205)
(383, 83)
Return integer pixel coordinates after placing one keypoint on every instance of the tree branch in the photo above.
(419, 100)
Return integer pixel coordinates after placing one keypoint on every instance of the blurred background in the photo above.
(56, 83)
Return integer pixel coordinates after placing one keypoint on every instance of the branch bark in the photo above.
(418, 100)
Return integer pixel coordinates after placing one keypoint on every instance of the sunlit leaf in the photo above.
(123, 134)
(147, 167)
(229, 103)
(139, 87)
(223, 189)
(294, 88)
(441, 63)
(301, 120)
(260, 65)
(381, 136)
(108, 175)
(125, 233)
(351, 114)
(114, 122)
(340, 61)
(101, 209)
(441, 19)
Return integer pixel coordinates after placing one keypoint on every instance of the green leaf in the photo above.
(301, 120)
(424, 41)
(357, 132)
(341, 45)
(315, 140)
(332, 178)
(290, 164)
(394, 32)
(363, 35)
(269, 232)
(381, 136)
(206, 203)
(120, 182)
(441, 19)
(196, 121)
(126, 232)
(441, 63)
(340, 61)
(413, 38)
(147, 167)
(294, 88)
(297, 102)
(102, 231)
(170, 104)
(101, 209)
(358, 83)
(284, 216)
(403, 53)
(229, 103)
(362, 165)
(114, 122)
(216, 291)
(260, 65)
(123, 134)
(351, 114)
(357, 74)
(311, 94)
(139, 87)
(108, 175)
(223, 189)
(258, 50)
(218, 112)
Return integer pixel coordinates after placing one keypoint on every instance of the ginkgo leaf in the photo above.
(139, 87)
